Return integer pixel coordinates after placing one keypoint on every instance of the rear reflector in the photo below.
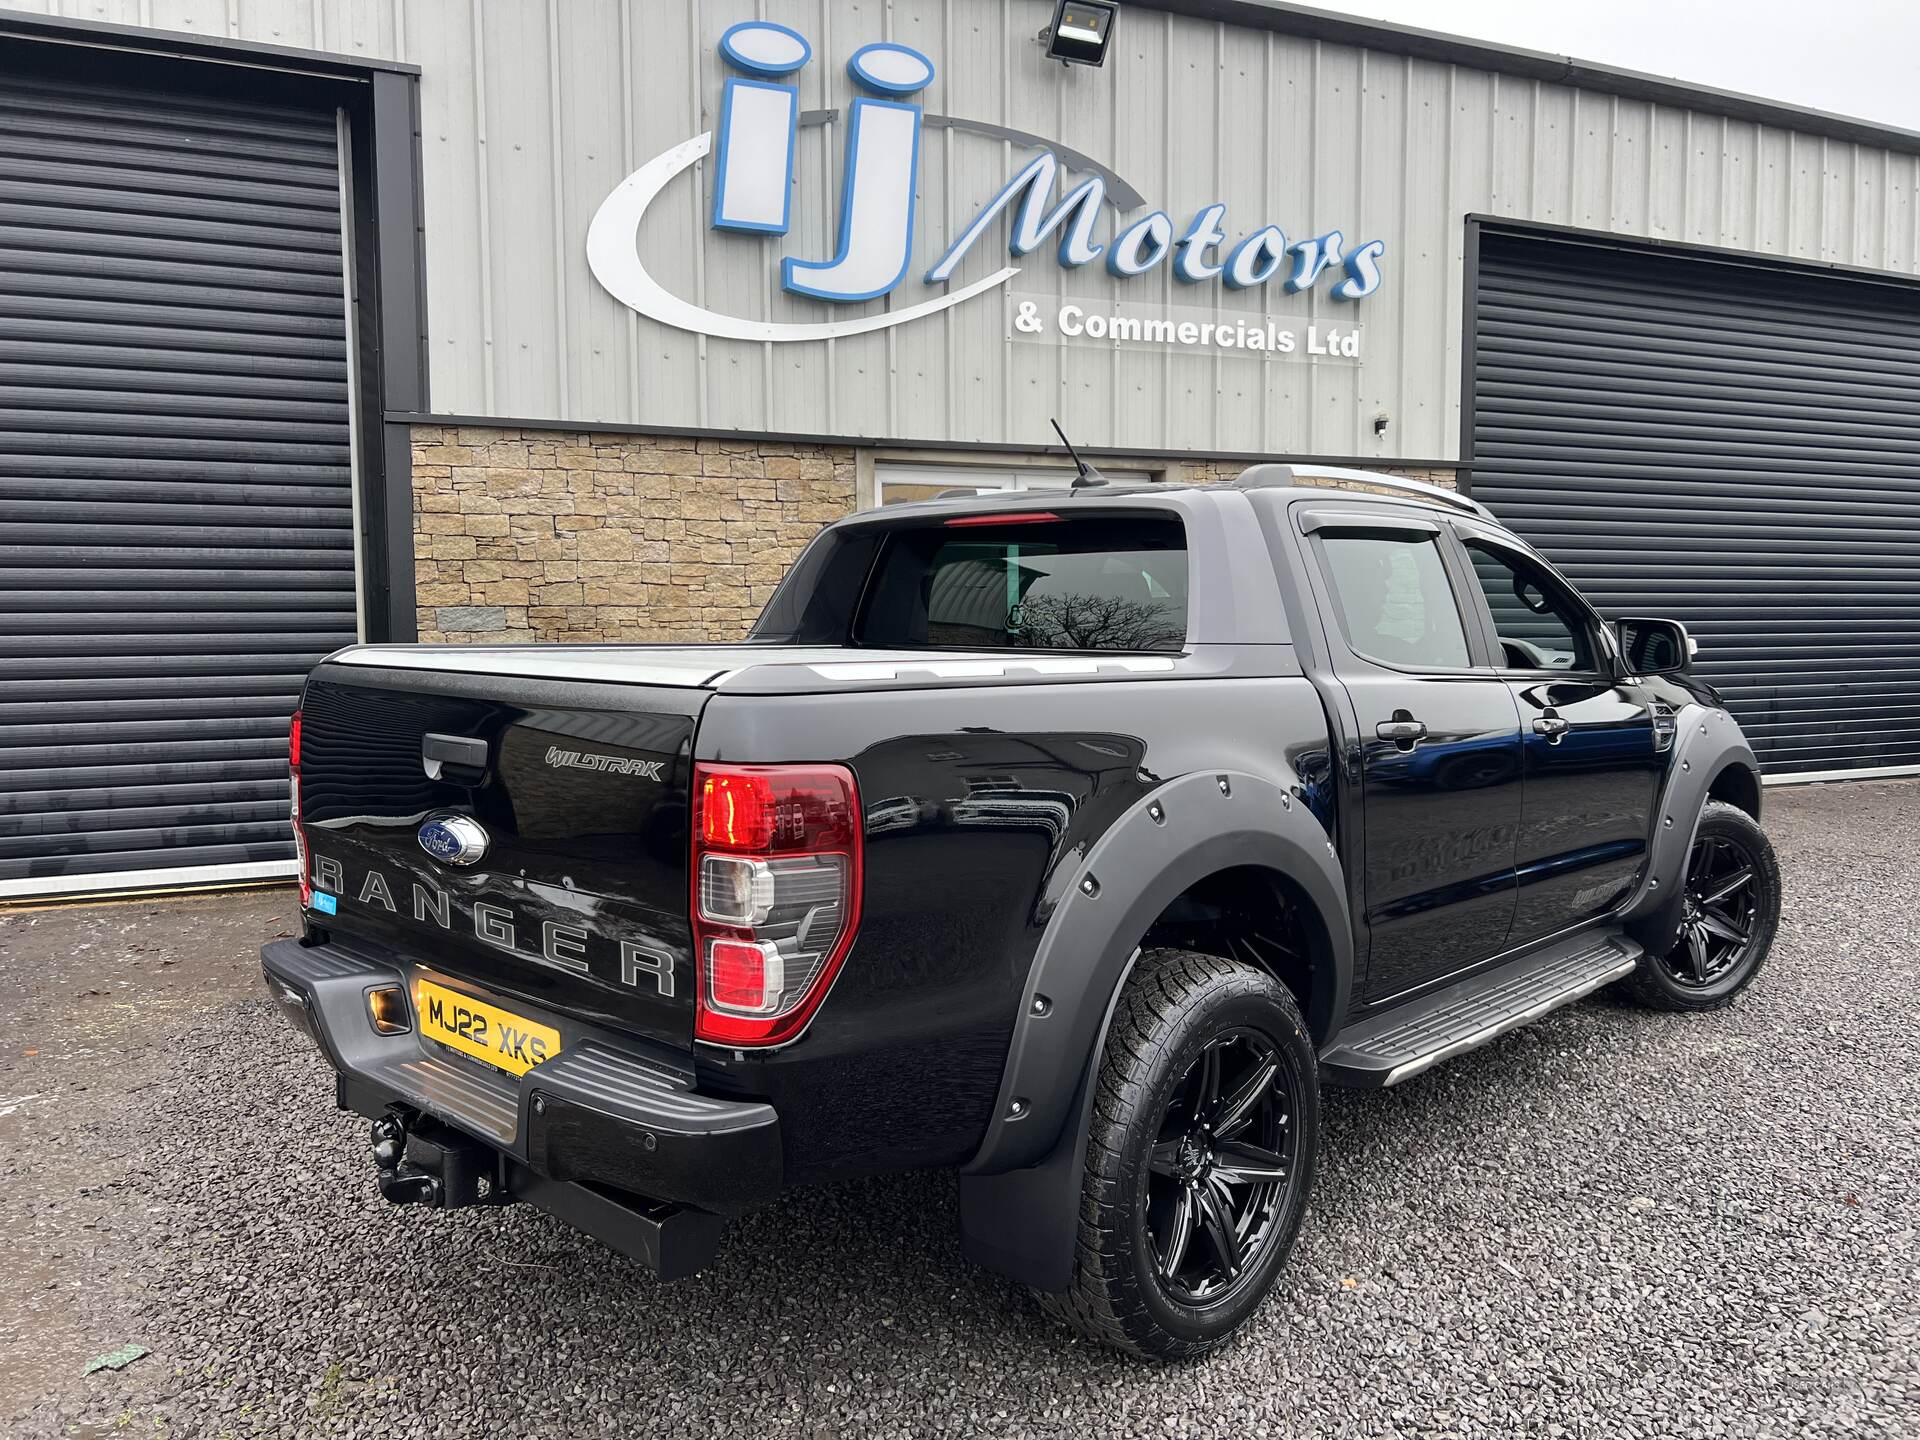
(744, 976)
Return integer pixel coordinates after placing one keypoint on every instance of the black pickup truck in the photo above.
(1073, 838)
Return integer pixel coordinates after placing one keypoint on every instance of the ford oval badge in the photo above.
(453, 839)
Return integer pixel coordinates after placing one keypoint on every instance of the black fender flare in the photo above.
(1706, 741)
(1020, 1193)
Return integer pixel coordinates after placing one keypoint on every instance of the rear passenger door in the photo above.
(1594, 752)
(1437, 753)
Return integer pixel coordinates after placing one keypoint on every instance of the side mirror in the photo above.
(1654, 647)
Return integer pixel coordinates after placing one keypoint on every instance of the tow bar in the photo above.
(422, 1162)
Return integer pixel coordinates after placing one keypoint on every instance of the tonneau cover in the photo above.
(748, 667)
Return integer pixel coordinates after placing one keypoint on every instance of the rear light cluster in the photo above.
(776, 895)
(299, 830)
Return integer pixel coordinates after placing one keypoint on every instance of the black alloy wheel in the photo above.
(1729, 911)
(1719, 916)
(1199, 1160)
(1220, 1169)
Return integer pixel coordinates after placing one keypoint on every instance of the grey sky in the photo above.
(1853, 57)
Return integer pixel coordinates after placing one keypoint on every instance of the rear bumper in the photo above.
(592, 1128)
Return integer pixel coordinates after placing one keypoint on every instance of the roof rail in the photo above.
(1259, 477)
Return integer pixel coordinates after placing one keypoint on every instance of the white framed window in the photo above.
(895, 483)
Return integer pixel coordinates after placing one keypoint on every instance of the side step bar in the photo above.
(1389, 1047)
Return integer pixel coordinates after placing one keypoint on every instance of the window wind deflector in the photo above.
(1315, 520)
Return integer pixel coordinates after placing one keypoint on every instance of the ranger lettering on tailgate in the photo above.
(563, 946)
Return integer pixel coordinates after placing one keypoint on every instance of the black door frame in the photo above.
(382, 102)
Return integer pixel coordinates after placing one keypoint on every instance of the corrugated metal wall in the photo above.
(1734, 446)
(534, 109)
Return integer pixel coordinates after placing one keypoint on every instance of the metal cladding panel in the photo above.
(532, 111)
(1732, 445)
(176, 514)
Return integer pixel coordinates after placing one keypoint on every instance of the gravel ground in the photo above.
(1611, 1224)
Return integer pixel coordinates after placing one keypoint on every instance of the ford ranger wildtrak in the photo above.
(1073, 838)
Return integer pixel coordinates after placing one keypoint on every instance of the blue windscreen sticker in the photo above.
(325, 903)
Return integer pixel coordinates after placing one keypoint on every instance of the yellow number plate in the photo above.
(483, 1031)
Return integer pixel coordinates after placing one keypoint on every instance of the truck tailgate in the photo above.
(577, 901)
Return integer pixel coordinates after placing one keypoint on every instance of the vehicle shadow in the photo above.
(873, 1267)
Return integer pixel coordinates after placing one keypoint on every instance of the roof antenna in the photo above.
(1088, 475)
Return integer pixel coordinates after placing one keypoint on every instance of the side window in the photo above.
(1541, 625)
(1395, 604)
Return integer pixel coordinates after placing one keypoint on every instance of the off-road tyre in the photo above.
(1177, 1008)
(1727, 841)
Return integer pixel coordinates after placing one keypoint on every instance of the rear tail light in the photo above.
(776, 896)
(299, 830)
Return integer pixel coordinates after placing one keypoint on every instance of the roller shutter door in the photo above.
(176, 517)
(1733, 445)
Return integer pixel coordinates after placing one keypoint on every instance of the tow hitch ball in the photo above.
(400, 1182)
(420, 1162)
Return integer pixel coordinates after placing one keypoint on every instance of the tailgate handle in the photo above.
(463, 752)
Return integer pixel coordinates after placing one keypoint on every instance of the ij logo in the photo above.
(760, 121)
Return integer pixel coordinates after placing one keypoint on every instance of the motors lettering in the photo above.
(561, 945)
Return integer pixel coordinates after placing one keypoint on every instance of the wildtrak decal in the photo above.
(606, 764)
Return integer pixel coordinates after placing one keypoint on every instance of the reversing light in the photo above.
(387, 1010)
(735, 890)
(776, 896)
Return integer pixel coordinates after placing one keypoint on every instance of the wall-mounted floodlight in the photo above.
(1081, 32)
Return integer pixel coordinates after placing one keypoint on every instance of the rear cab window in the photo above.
(1028, 582)
(1395, 604)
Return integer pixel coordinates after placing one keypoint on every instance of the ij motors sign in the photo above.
(1093, 224)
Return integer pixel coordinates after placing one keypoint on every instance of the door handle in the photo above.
(467, 753)
(1550, 725)
(1403, 729)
